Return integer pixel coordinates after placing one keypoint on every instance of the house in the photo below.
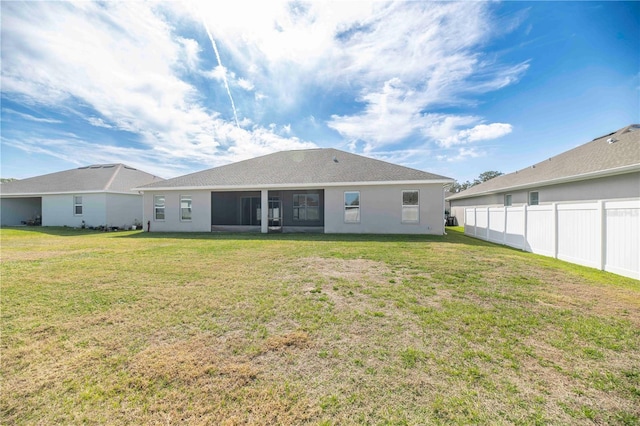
(314, 190)
(606, 168)
(97, 195)
(581, 206)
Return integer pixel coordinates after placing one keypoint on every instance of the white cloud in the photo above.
(190, 52)
(127, 63)
(402, 58)
(245, 84)
(31, 117)
(447, 132)
(485, 131)
(123, 61)
(464, 153)
(99, 122)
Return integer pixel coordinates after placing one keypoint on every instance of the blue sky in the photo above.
(454, 88)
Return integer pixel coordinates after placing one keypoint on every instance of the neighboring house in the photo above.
(604, 169)
(97, 195)
(582, 206)
(316, 190)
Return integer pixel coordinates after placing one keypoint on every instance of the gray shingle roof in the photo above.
(607, 154)
(99, 177)
(303, 167)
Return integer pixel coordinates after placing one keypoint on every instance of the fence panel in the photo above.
(622, 241)
(495, 232)
(540, 234)
(602, 234)
(579, 234)
(482, 222)
(515, 227)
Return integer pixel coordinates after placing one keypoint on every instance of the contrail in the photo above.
(224, 75)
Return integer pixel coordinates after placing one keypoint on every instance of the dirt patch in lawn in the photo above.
(603, 301)
(346, 269)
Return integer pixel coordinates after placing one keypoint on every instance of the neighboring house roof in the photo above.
(303, 168)
(615, 153)
(96, 178)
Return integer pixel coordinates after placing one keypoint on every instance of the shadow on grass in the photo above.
(455, 235)
(58, 231)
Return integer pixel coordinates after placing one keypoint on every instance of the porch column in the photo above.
(264, 211)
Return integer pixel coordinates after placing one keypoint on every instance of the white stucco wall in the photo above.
(200, 207)
(13, 211)
(381, 210)
(123, 209)
(57, 210)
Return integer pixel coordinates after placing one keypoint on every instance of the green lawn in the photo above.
(137, 328)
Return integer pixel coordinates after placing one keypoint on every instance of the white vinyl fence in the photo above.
(601, 234)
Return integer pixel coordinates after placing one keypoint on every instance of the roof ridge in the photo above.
(113, 176)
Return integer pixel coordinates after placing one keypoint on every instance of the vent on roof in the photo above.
(108, 166)
(85, 167)
(130, 168)
(95, 167)
(335, 159)
(633, 128)
(604, 136)
(612, 140)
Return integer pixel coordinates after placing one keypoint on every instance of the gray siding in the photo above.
(624, 186)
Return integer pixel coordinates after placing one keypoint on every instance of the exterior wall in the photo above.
(13, 211)
(200, 206)
(381, 210)
(608, 188)
(123, 209)
(57, 210)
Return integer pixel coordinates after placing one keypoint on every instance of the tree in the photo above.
(3, 180)
(483, 177)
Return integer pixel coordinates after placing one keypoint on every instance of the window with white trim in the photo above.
(185, 207)
(306, 207)
(158, 207)
(352, 207)
(77, 205)
(507, 200)
(410, 206)
(534, 198)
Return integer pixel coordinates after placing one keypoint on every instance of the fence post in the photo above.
(475, 222)
(524, 233)
(554, 207)
(504, 230)
(602, 234)
(488, 223)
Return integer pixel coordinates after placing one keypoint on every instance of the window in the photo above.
(185, 207)
(410, 206)
(158, 207)
(77, 205)
(533, 198)
(352, 207)
(507, 200)
(306, 207)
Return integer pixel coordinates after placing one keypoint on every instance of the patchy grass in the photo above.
(139, 328)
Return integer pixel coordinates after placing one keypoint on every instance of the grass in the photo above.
(137, 328)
